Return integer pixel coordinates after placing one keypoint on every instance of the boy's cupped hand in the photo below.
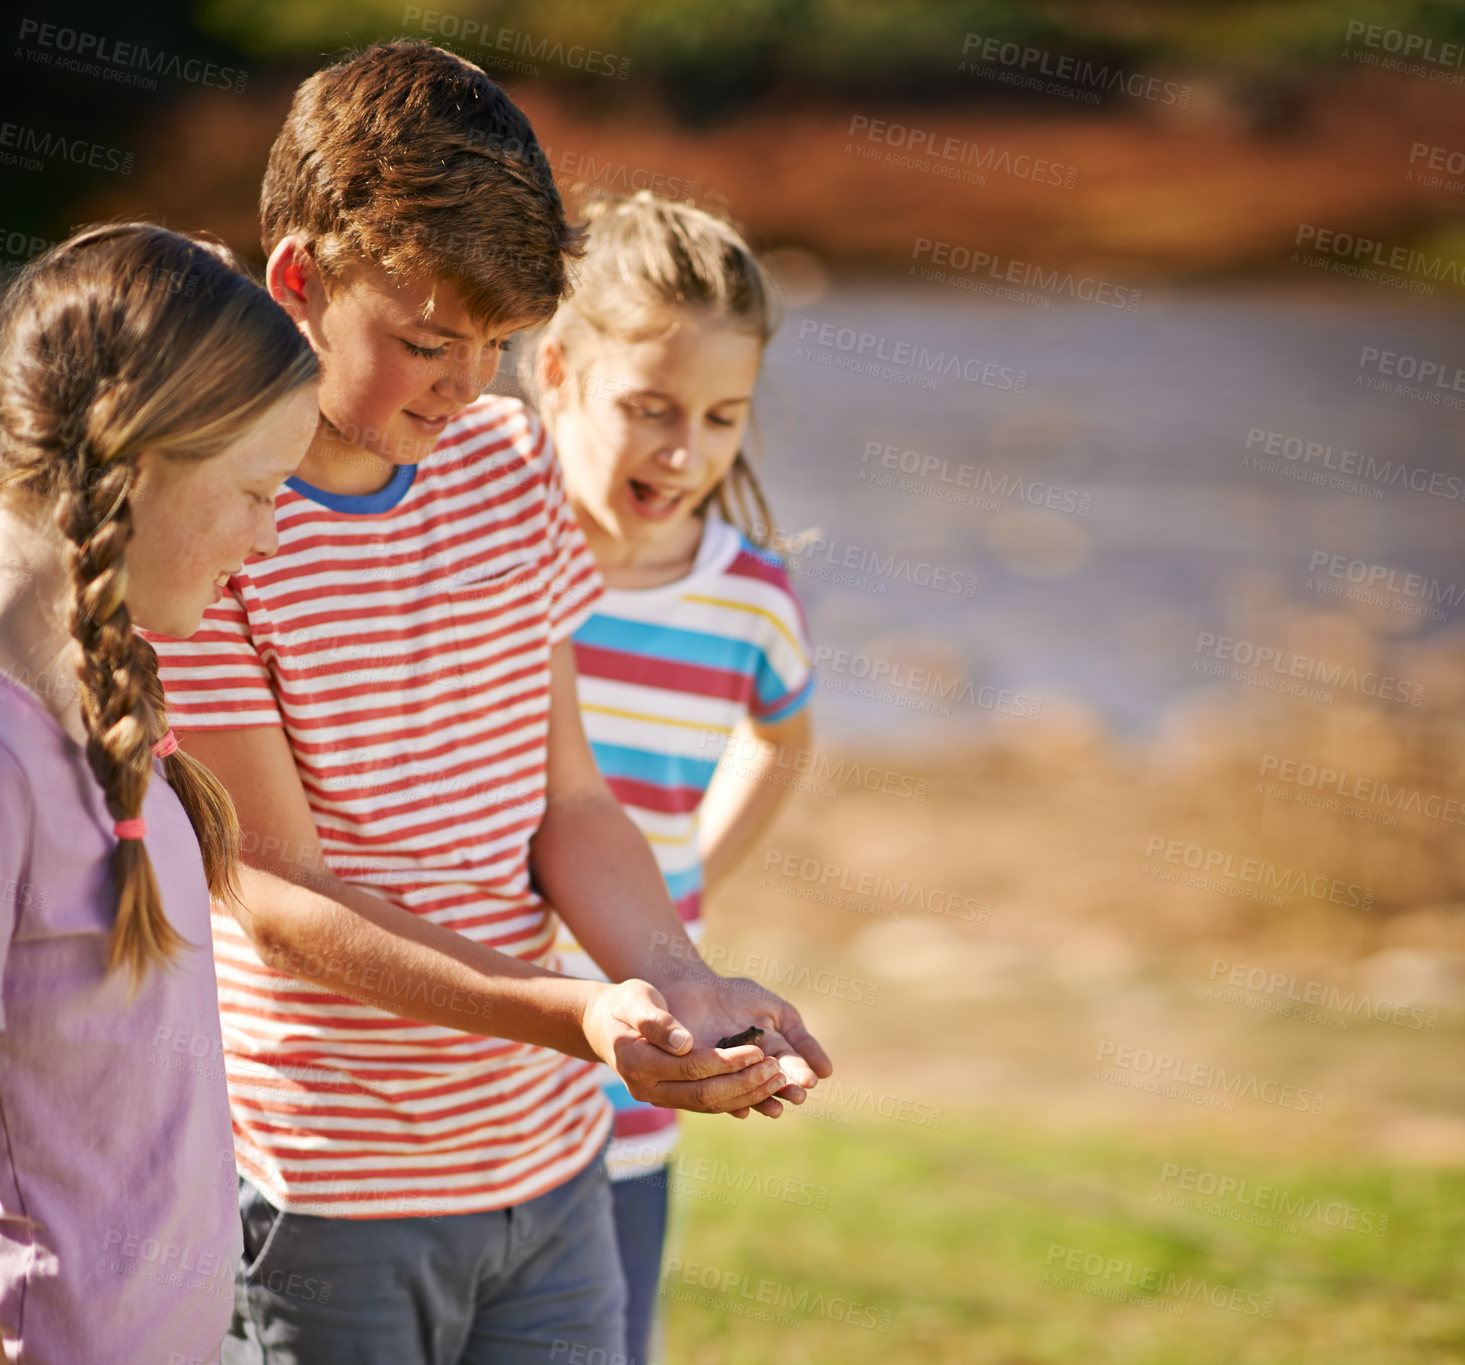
(663, 1045)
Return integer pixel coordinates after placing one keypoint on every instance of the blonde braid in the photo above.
(121, 722)
(123, 339)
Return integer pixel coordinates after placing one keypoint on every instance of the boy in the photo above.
(391, 703)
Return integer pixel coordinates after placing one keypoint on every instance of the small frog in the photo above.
(751, 1034)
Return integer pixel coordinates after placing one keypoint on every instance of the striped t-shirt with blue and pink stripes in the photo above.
(665, 676)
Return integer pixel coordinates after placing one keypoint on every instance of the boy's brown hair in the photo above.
(407, 156)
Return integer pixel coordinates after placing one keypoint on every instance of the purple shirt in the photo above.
(119, 1219)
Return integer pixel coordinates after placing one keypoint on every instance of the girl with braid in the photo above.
(152, 400)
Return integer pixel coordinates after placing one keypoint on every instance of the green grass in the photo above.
(943, 1237)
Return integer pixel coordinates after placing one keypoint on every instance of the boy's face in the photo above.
(392, 375)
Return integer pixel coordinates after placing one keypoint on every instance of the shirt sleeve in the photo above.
(17, 820)
(574, 581)
(217, 679)
(784, 677)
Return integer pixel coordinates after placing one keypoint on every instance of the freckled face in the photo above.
(195, 522)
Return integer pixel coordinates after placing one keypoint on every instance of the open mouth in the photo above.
(655, 502)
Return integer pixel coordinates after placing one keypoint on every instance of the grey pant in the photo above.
(525, 1284)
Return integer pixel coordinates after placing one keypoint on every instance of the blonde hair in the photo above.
(645, 258)
(128, 337)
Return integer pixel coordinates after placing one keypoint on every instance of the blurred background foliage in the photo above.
(705, 56)
(752, 100)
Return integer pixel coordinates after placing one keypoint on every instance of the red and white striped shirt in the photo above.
(402, 640)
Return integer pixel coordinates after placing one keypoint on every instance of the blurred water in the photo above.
(1147, 415)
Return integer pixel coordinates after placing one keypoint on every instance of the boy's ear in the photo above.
(287, 274)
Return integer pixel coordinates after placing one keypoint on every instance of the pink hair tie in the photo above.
(167, 745)
(130, 829)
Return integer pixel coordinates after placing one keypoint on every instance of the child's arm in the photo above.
(741, 801)
(306, 922)
(595, 867)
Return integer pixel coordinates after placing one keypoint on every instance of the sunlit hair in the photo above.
(646, 260)
(122, 339)
(409, 157)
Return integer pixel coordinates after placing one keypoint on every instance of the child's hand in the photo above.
(631, 1029)
(716, 1007)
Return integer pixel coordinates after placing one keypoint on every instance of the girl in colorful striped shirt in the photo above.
(698, 649)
